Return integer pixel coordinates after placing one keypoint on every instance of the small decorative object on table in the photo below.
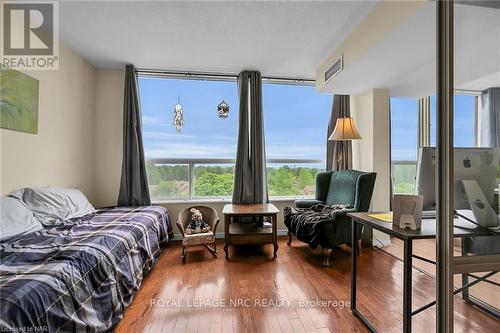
(408, 211)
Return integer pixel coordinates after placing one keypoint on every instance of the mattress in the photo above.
(81, 275)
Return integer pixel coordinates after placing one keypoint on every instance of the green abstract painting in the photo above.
(18, 101)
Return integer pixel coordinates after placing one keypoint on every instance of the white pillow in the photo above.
(52, 205)
(16, 218)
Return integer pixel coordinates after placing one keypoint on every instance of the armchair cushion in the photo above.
(308, 224)
(199, 239)
(343, 187)
(307, 203)
(323, 185)
(347, 187)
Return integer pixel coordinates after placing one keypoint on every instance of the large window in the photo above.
(465, 108)
(404, 135)
(295, 119)
(198, 161)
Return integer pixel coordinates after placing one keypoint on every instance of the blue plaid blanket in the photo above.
(79, 276)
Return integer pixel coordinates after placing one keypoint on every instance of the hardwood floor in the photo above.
(165, 302)
(426, 248)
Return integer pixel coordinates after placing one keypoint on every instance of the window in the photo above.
(465, 107)
(198, 162)
(295, 119)
(404, 135)
(404, 140)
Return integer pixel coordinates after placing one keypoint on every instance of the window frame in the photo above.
(477, 131)
(192, 162)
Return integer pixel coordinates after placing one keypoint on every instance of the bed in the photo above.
(79, 276)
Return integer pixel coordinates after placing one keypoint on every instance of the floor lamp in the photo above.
(345, 130)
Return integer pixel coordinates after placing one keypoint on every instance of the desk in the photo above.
(428, 231)
(248, 233)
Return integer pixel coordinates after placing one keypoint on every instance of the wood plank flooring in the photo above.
(166, 300)
(426, 248)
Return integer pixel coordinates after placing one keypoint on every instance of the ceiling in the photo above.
(405, 60)
(277, 38)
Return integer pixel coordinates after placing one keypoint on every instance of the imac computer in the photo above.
(475, 179)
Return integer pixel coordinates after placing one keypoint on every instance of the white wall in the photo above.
(80, 137)
(362, 112)
(108, 135)
(382, 20)
(62, 153)
(371, 112)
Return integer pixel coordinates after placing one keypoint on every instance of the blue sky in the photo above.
(463, 122)
(295, 119)
(404, 117)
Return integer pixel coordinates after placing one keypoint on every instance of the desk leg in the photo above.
(354, 269)
(407, 286)
(275, 234)
(354, 263)
(465, 277)
(227, 219)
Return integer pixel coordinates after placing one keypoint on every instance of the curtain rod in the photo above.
(468, 92)
(218, 76)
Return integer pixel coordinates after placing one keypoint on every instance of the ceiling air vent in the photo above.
(334, 69)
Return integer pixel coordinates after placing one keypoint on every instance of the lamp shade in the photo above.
(345, 129)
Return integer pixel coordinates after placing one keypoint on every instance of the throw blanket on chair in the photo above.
(306, 223)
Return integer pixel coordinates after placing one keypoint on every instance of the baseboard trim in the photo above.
(282, 232)
(220, 235)
(384, 242)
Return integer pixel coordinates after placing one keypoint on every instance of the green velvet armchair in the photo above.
(346, 187)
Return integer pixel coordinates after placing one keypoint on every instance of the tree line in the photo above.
(172, 181)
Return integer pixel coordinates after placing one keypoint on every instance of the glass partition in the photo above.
(477, 61)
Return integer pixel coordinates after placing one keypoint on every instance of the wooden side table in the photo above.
(249, 233)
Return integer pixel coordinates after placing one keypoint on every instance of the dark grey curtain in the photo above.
(490, 117)
(250, 185)
(338, 153)
(134, 183)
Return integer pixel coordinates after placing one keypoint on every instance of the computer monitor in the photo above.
(479, 164)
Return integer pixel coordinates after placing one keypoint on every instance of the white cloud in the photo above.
(152, 120)
(171, 145)
(404, 154)
(295, 151)
(226, 137)
(149, 120)
(166, 136)
(190, 150)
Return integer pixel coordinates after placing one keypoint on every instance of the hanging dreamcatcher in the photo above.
(178, 116)
(223, 109)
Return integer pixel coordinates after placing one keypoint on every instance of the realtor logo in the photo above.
(30, 35)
